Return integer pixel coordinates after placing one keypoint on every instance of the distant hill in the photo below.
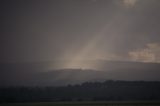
(42, 74)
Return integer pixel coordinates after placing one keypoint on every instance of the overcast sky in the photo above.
(46, 30)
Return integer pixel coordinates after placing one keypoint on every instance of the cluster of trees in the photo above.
(96, 91)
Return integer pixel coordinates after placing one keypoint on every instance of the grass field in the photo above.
(150, 103)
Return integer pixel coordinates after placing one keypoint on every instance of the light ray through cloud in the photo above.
(89, 51)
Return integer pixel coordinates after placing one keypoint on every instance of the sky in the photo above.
(47, 30)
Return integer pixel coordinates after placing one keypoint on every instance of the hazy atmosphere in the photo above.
(125, 30)
(119, 37)
(80, 52)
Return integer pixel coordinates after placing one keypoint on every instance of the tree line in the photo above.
(89, 91)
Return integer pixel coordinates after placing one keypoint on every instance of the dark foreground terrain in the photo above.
(142, 103)
(89, 91)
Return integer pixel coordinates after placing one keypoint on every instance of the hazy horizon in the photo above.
(80, 52)
(117, 36)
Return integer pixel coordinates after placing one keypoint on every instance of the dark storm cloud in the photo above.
(36, 30)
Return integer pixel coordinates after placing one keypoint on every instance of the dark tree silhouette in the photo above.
(96, 91)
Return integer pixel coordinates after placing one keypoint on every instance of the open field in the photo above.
(150, 103)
